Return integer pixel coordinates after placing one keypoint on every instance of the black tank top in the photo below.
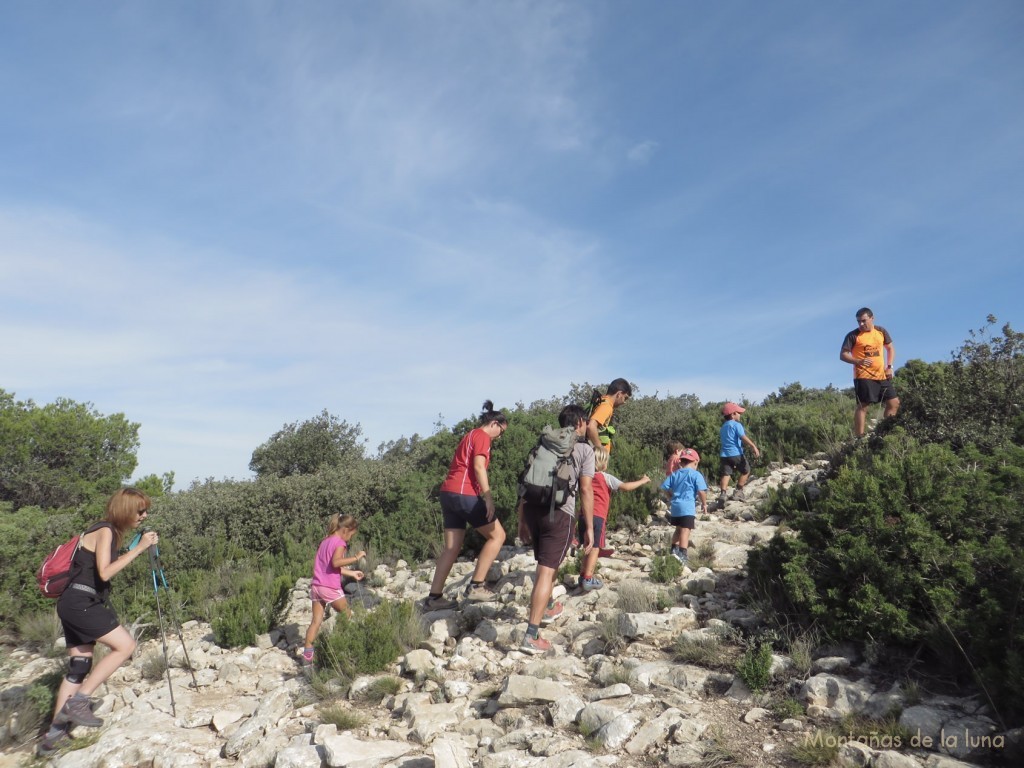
(88, 574)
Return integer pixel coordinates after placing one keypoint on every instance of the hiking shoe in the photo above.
(551, 614)
(307, 655)
(439, 604)
(533, 645)
(678, 554)
(721, 500)
(589, 585)
(739, 495)
(78, 710)
(61, 719)
(49, 746)
(480, 594)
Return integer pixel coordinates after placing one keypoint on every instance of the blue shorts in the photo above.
(460, 510)
(599, 524)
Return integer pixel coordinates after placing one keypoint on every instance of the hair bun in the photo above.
(488, 406)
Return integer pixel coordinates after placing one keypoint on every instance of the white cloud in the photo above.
(641, 154)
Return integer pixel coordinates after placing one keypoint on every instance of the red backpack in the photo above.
(56, 572)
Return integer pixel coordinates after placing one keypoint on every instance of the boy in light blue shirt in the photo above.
(686, 485)
(733, 438)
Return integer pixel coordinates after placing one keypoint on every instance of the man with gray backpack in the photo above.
(559, 469)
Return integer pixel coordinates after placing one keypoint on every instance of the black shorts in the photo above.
(85, 617)
(460, 510)
(730, 464)
(551, 534)
(869, 391)
(599, 525)
(684, 521)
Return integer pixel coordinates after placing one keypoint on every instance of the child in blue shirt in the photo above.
(685, 486)
(733, 438)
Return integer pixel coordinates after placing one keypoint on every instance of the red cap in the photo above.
(689, 455)
(730, 408)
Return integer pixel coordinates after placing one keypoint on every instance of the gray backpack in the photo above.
(547, 478)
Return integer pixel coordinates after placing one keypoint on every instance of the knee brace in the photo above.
(78, 668)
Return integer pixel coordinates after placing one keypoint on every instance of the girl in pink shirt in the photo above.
(328, 568)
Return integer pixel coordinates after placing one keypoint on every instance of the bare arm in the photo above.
(587, 510)
(592, 433)
(890, 356)
(632, 485)
(754, 448)
(339, 560)
(108, 568)
(703, 496)
(480, 470)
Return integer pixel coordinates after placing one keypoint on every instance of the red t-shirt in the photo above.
(602, 496)
(461, 477)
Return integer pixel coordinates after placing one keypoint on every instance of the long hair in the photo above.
(338, 521)
(123, 510)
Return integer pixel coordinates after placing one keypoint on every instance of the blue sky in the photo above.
(218, 218)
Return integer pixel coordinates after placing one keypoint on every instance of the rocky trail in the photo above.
(613, 691)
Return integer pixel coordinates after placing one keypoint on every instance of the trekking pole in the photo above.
(155, 558)
(163, 633)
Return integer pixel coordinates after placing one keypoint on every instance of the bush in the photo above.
(239, 619)
(755, 666)
(916, 539)
(370, 643)
(665, 568)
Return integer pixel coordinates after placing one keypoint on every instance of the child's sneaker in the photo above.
(439, 604)
(589, 585)
(307, 655)
(533, 645)
(478, 593)
(551, 614)
(678, 554)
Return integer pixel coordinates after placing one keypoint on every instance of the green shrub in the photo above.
(252, 611)
(371, 642)
(665, 568)
(755, 665)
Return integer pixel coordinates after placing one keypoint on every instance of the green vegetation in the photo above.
(755, 666)
(916, 539)
(665, 568)
(369, 642)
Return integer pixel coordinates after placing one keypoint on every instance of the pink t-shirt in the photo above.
(461, 477)
(325, 574)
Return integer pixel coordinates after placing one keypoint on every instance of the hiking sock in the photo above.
(551, 603)
(532, 630)
(434, 595)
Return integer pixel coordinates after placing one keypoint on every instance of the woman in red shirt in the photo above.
(466, 500)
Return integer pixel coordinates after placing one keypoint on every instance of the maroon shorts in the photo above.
(551, 534)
